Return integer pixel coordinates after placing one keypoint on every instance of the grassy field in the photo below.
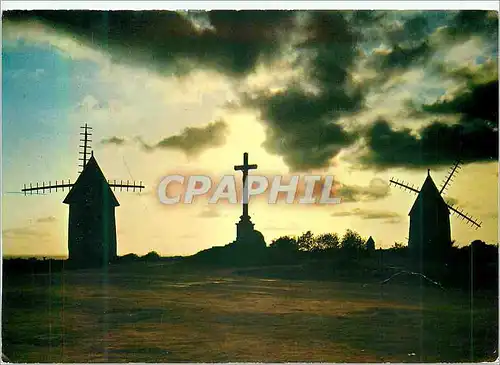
(163, 313)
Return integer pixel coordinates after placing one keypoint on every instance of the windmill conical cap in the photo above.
(91, 174)
(429, 186)
(429, 193)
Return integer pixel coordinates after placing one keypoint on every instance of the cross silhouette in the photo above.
(245, 168)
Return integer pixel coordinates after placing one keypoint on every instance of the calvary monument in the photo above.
(246, 235)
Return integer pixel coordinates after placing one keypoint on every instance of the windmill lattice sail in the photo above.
(49, 187)
(474, 223)
(404, 185)
(86, 145)
(449, 178)
(127, 185)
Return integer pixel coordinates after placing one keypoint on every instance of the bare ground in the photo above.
(157, 313)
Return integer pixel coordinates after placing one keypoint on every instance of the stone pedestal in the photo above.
(246, 235)
(244, 228)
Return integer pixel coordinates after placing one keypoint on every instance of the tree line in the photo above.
(309, 242)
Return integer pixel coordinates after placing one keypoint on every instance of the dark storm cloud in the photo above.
(192, 140)
(413, 29)
(409, 40)
(478, 101)
(114, 141)
(165, 40)
(473, 22)
(408, 46)
(300, 129)
(434, 144)
(302, 126)
(473, 138)
(401, 57)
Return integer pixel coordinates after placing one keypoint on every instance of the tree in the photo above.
(306, 241)
(129, 257)
(151, 256)
(327, 241)
(397, 246)
(352, 241)
(284, 243)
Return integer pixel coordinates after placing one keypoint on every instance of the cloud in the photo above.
(471, 74)
(478, 101)
(436, 144)
(376, 189)
(340, 60)
(302, 119)
(24, 232)
(114, 141)
(469, 23)
(209, 212)
(420, 38)
(48, 219)
(368, 214)
(192, 140)
(299, 130)
(89, 102)
(450, 200)
(403, 44)
(401, 58)
(232, 42)
(472, 138)
(306, 120)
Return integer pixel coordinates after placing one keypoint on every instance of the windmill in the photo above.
(430, 215)
(92, 228)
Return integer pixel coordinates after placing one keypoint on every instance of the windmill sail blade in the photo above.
(449, 178)
(403, 185)
(44, 187)
(469, 219)
(86, 145)
(126, 186)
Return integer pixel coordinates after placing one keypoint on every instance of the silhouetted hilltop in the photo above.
(230, 255)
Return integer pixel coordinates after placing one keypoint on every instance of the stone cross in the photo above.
(245, 168)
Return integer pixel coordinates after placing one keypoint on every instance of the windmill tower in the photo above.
(92, 227)
(430, 232)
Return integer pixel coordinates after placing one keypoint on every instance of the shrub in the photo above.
(151, 256)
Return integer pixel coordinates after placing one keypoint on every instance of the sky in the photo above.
(363, 96)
